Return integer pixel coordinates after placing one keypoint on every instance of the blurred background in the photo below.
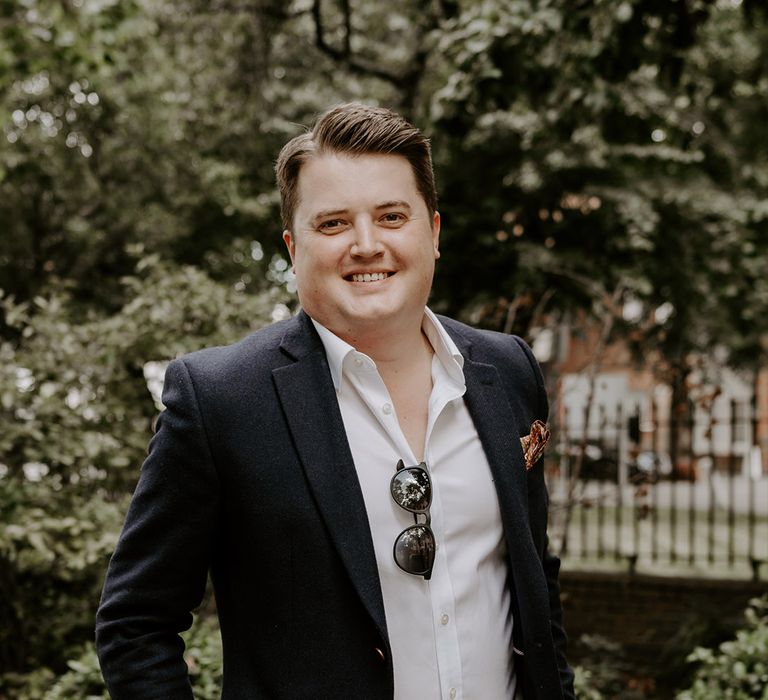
(603, 175)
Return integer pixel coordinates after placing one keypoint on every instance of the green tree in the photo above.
(130, 123)
(596, 152)
(77, 415)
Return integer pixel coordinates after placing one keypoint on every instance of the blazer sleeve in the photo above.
(158, 572)
(538, 501)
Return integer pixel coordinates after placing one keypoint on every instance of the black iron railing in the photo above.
(653, 488)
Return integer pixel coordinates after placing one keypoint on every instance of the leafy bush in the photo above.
(54, 549)
(73, 394)
(605, 670)
(76, 414)
(584, 685)
(738, 669)
(204, 658)
(83, 680)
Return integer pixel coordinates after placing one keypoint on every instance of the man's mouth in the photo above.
(369, 276)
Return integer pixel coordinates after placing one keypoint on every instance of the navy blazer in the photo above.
(250, 477)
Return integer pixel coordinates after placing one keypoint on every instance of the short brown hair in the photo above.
(355, 128)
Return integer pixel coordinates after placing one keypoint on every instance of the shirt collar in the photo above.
(336, 349)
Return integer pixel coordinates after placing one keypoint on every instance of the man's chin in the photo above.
(372, 321)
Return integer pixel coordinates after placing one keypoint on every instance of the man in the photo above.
(353, 478)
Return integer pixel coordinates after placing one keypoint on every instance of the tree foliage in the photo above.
(579, 147)
(125, 124)
(604, 145)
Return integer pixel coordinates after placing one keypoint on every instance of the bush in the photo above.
(54, 549)
(76, 413)
(83, 679)
(584, 685)
(204, 658)
(606, 672)
(74, 403)
(738, 669)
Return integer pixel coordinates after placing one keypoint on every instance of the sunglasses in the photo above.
(414, 549)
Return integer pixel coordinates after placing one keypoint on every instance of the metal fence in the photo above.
(650, 488)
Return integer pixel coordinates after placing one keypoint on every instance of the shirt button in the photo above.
(358, 362)
(444, 619)
(452, 693)
(387, 408)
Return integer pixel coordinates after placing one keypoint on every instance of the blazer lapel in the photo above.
(309, 401)
(499, 428)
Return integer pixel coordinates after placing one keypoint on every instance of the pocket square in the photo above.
(534, 443)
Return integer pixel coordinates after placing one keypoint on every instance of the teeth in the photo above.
(370, 277)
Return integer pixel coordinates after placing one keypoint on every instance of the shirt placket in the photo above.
(371, 388)
(367, 382)
(441, 586)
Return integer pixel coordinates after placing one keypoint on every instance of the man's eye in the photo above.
(393, 217)
(331, 226)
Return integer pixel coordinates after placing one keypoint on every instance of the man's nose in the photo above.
(366, 242)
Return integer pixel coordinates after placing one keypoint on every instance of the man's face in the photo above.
(363, 244)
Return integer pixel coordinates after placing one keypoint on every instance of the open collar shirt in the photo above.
(451, 636)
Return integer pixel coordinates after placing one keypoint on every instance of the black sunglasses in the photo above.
(414, 549)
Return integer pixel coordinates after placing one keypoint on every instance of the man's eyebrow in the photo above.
(394, 204)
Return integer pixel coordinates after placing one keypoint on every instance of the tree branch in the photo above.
(406, 81)
(347, 28)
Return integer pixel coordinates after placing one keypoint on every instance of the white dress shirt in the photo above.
(451, 637)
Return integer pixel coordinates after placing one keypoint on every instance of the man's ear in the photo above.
(289, 243)
(436, 234)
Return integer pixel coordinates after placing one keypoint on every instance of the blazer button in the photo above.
(380, 653)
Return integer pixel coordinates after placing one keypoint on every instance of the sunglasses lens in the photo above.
(411, 489)
(415, 550)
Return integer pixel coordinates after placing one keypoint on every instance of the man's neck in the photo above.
(398, 349)
(404, 364)
(387, 344)
(403, 357)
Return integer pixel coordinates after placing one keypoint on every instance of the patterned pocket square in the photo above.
(534, 443)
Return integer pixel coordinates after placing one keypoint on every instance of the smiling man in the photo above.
(352, 478)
